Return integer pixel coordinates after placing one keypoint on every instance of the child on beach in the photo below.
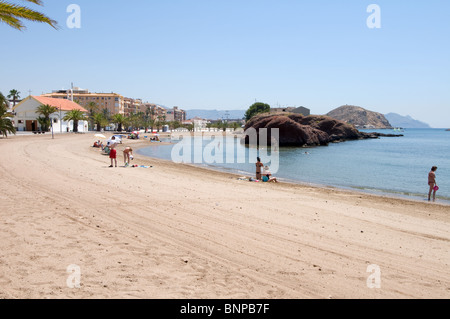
(432, 183)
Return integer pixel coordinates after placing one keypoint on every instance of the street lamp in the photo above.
(51, 120)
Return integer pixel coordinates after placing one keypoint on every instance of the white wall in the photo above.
(27, 111)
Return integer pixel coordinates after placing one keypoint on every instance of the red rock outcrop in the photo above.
(299, 130)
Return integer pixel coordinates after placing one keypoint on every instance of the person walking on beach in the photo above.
(258, 168)
(432, 183)
(113, 151)
(127, 155)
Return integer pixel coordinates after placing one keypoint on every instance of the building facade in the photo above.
(113, 102)
(118, 104)
(175, 114)
(25, 116)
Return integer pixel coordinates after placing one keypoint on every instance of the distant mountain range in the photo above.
(405, 121)
(215, 114)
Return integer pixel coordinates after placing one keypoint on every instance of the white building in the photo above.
(25, 116)
(199, 123)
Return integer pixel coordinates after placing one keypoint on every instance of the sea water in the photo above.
(394, 166)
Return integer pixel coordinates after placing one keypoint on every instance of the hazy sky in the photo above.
(226, 54)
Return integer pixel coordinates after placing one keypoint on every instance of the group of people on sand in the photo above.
(127, 153)
(266, 175)
(98, 144)
(262, 172)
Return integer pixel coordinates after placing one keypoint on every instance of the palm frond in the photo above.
(12, 13)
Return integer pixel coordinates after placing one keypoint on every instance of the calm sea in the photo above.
(395, 166)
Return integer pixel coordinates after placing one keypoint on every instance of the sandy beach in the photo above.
(177, 231)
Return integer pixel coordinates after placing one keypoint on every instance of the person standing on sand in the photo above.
(113, 151)
(127, 155)
(432, 183)
(258, 168)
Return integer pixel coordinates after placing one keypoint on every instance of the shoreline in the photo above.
(375, 192)
(176, 231)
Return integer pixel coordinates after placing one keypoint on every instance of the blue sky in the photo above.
(226, 54)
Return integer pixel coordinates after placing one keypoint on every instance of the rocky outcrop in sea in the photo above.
(299, 130)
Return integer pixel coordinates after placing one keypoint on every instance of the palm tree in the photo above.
(46, 110)
(6, 125)
(12, 14)
(118, 119)
(148, 122)
(75, 116)
(158, 122)
(3, 101)
(42, 121)
(135, 121)
(100, 121)
(93, 108)
(14, 94)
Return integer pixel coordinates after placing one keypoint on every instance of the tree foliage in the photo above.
(256, 108)
(75, 116)
(46, 110)
(120, 120)
(6, 125)
(14, 95)
(100, 120)
(13, 14)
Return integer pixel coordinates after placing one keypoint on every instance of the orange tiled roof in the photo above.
(65, 105)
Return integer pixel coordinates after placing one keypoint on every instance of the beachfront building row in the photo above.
(118, 104)
(113, 102)
(26, 118)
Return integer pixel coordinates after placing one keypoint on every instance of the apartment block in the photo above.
(113, 102)
(175, 114)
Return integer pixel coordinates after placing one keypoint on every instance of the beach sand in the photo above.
(177, 231)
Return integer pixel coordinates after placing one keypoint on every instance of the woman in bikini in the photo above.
(432, 183)
(258, 168)
(127, 155)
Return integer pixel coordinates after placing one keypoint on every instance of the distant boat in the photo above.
(399, 129)
(448, 130)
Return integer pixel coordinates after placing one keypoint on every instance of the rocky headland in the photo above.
(299, 130)
(360, 117)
